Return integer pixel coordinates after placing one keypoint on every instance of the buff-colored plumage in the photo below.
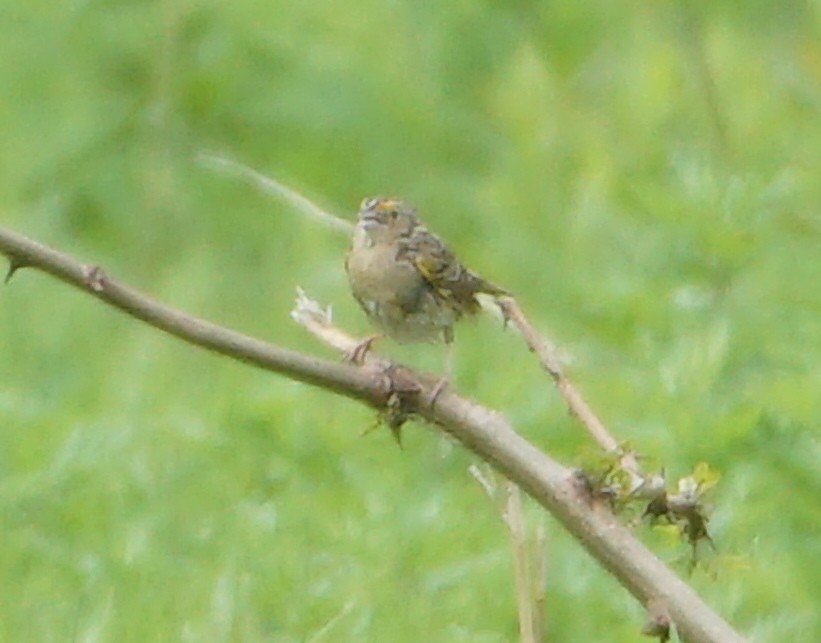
(405, 278)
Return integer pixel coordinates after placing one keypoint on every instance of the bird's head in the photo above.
(384, 219)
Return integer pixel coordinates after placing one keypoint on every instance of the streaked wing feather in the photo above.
(446, 275)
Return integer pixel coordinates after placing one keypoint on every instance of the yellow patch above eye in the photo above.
(387, 205)
(379, 204)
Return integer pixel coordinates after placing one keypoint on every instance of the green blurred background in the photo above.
(643, 175)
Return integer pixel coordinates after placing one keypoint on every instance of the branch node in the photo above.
(402, 396)
(95, 278)
(582, 482)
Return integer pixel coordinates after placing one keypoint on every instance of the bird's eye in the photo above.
(384, 207)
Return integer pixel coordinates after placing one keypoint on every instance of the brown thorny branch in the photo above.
(640, 484)
(381, 384)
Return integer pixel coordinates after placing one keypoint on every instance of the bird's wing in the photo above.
(446, 275)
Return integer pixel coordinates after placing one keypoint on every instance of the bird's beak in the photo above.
(368, 220)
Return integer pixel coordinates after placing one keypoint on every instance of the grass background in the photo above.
(644, 175)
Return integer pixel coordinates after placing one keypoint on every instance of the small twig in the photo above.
(272, 186)
(546, 353)
(528, 562)
(317, 320)
(578, 406)
(539, 557)
(515, 521)
(642, 484)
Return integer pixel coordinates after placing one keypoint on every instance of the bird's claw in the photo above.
(437, 390)
(357, 354)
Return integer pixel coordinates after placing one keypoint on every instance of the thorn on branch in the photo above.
(402, 395)
(594, 488)
(659, 622)
(686, 509)
(14, 265)
(357, 354)
(95, 278)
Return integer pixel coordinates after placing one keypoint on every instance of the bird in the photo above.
(408, 282)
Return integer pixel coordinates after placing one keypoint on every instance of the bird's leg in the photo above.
(445, 381)
(357, 354)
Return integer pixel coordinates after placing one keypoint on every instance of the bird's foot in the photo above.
(357, 354)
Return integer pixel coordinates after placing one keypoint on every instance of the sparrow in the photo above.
(410, 285)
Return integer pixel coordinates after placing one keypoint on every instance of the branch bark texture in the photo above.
(485, 432)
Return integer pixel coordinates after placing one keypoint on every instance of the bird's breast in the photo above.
(394, 294)
(375, 273)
